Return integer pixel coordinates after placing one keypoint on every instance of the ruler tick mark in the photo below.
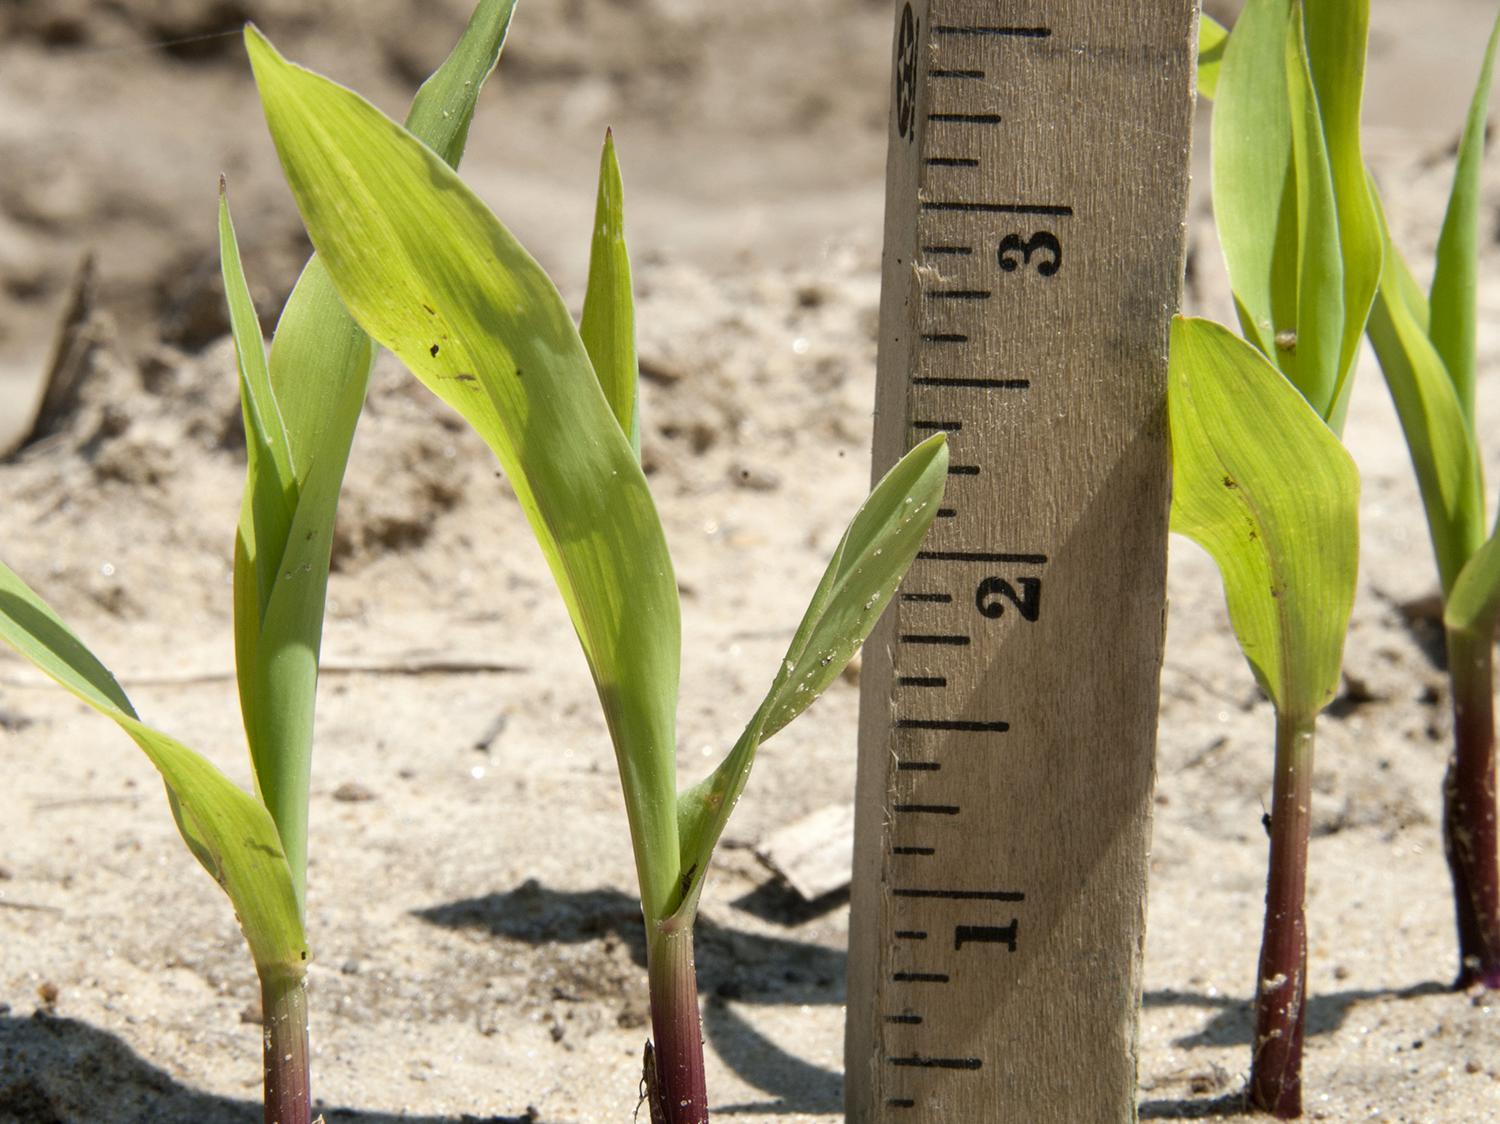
(980, 556)
(948, 426)
(957, 294)
(938, 1063)
(918, 766)
(963, 470)
(937, 72)
(946, 513)
(962, 895)
(920, 977)
(910, 935)
(1002, 32)
(981, 384)
(944, 337)
(900, 1102)
(947, 639)
(958, 725)
(921, 681)
(928, 809)
(906, 1020)
(964, 118)
(935, 598)
(996, 208)
(913, 850)
(951, 162)
(960, 250)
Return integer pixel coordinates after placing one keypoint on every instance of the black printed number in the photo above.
(1016, 252)
(993, 593)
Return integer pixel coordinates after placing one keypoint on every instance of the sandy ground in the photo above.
(478, 953)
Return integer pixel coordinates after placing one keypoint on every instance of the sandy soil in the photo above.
(478, 953)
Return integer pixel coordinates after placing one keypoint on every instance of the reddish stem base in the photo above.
(1469, 829)
(1281, 980)
(283, 1003)
(676, 1091)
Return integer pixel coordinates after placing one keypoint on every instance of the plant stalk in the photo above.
(679, 1094)
(1469, 833)
(283, 1000)
(1281, 979)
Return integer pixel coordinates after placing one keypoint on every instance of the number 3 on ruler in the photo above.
(1041, 241)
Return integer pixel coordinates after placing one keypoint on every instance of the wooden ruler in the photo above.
(1034, 247)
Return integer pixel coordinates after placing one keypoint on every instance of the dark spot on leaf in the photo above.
(1229, 482)
(687, 878)
(465, 378)
(433, 350)
(430, 310)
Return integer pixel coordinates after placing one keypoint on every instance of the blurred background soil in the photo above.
(472, 910)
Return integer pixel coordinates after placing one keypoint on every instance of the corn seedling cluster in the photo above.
(410, 259)
(1426, 348)
(300, 406)
(429, 272)
(1262, 482)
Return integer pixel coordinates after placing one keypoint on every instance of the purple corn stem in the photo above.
(679, 1094)
(1281, 980)
(1469, 834)
(283, 1001)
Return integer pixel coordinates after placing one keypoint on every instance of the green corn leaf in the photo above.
(1454, 294)
(1474, 602)
(1442, 448)
(1212, 39)
(608, 323)
(1336, 37)
(1313, 362)
(1296, 218)
(319, 369)
(1254, 187)
(228, 830)
(1263, 485)
(430, 273)
(868, 564)
(444, 106)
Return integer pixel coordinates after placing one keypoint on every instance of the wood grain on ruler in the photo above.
(1036, 195)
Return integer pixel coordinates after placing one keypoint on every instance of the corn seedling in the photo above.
(1426, 348)
(428, 271)
(1261, 480)
(300, 408)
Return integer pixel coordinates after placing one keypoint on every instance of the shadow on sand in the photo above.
(62, 1071)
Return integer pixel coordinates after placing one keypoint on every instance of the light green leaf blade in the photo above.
(227, 829)
(1213, 37)
(608, 322)
(1263, 485)
(429, 272)
(1313, 363)
(1336, 36)
(1454, 290)
(868, 564)
(1442, 448)
(319, 370)
(444, 106)
(271, 484)
(1254, 189)
(1474, 602)
(318, 347)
